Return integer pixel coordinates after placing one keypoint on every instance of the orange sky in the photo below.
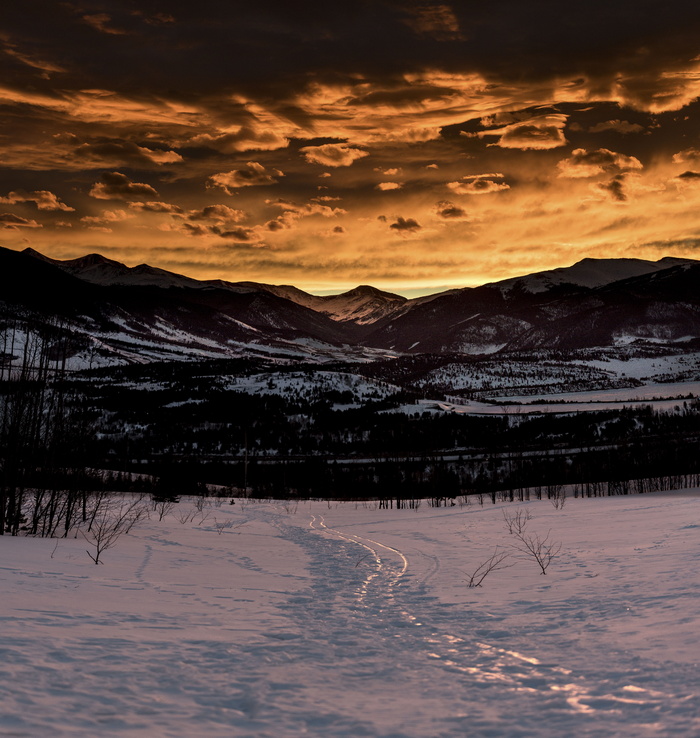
(410, 145)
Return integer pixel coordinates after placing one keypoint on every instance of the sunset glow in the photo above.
(415, 146)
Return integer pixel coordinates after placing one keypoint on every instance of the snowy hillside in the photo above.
(339, 621)
(589, 273)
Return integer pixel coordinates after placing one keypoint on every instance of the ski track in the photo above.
(387, 610)
(364, 649)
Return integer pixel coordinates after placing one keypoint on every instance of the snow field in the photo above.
(324, 619)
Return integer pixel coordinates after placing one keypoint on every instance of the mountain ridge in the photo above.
(145, 313)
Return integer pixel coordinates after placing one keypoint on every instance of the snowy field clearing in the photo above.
(630, 394)
(273, 620)
(474, 407)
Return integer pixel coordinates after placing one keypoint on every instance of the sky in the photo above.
(414, 146)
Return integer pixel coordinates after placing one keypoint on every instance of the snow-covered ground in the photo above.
(343, 620)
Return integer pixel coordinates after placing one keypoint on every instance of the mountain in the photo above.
(360, 306)
(116, 313)
(588, 273)
(592, 303)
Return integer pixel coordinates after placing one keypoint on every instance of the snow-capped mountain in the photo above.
(587, 273)
(143, 313)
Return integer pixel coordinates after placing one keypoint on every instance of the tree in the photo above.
(541, 549)
(113, 519)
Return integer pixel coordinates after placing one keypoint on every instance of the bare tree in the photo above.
(494, 563)
(541, 549)
(516, 521)
(112, 521)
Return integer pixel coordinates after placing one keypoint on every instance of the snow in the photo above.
(328, 619)
(308, 385)
(646, 393)
(474, 407)
(589, 273)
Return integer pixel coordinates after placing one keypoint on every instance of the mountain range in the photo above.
(118, 314)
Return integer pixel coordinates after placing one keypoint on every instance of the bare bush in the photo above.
(541, 549)
(163, 505)
(496, 561)
(185, 515)
(112, 520)
(516, 521)
(557, 496)
(220, 527)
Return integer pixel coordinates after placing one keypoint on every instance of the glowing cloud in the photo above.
(541, 132)
(582, 163)
(117, 186)
(43, 199)
(254, 175)
(478, 184)
(333, 155)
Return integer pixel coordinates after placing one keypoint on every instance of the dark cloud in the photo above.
(238, 234)
(12, 221)
(116, 153)
(449, 211)
(405, 225)
(615, 187)
(618, 126)
(689, 175)
(117, 186)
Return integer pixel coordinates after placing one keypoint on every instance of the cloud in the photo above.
(333, 155)
(245, 138)
(293, 212)
(584, 163)
(405, 225)
(244, 235)
(540, 132)
(689, 175)
(449, 211)
(218, 213)
(12, 222)
(100, 22)
(253, 175)
(615, 188)
(311, 208)
(687, 155)
(478, 184)
(43, 199)
(104, 221)
(117, 186)
(157, 207)
(385, 186)
(118, 153)
(618, 126)
(438, 21)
